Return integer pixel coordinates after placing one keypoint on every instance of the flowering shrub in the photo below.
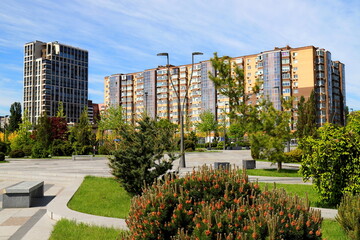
(219, 204)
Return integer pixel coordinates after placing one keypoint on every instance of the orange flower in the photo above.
(190, 212)
(311, 232)
(205, 221)
(198, 225)
(207, 232)
(219, 225)
(308, 223)
(281, 213)
(318, 233)
(180, 206)
(298, 228)
(254, 235)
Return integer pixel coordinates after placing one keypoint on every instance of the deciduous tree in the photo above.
(207, 123)
(15, 117)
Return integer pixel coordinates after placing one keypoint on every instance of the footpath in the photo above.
(63, 177)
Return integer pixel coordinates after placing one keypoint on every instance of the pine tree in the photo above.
(140, 158)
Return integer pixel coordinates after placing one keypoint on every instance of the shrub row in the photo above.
(219, 204)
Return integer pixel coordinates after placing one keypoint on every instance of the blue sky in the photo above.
(125, 36)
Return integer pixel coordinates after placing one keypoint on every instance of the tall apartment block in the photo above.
(285, 72)
(53, 73)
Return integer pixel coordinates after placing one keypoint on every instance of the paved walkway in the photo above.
(63, 177)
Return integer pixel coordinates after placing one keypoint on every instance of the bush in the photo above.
(3, 147)
(27, 149)
(220, 145)
(61, 148)
(200, 145)
(219, 204)
(38, 151)
(104, 150)
(349, 215)
(332, 162)
(294, 155)
(2, 156)
(17, 153)
(189, 145)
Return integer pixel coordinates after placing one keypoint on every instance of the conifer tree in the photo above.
(306, 123)
(81, 135)
(140, 158)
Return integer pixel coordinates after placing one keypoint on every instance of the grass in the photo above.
(3, 161)
(332, 230)
(101, 196)
(298, 189)
(274, 172)
(70, 230)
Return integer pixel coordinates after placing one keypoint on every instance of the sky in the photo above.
(124, 36)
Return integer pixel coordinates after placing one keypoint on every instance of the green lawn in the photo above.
(274, 172)
(101, 196)
(3, 161)
(332, 230)
(70, 230)
(298, 189)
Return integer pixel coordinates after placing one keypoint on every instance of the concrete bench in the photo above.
(82, 157)
(21, 195)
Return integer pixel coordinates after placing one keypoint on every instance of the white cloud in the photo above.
(124, 36)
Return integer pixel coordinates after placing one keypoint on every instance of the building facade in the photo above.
(53, 73)
(284, 72)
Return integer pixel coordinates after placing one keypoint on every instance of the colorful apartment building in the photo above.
(285, 72)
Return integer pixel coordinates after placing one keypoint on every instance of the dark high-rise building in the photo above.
(53, 73)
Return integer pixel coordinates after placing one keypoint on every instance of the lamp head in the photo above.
(197, 53)
(162, 54)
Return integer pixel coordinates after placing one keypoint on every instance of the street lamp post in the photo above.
(182, 163)
(225, 126)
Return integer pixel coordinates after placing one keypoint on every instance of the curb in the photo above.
(58, 210)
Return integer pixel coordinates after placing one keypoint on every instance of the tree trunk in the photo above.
(209, 141)
(279, 166)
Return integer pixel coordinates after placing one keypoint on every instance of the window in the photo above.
(249, 81)
(295, 69)
(286, 90)
(295, 76)
(294, 54)
(295, 61)
(286, 83)
(296, 91)
(285, 75)
(249, 74)
(285, 61)
(249, 60)
(295, 84)
(249, 67)
(285, 68)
